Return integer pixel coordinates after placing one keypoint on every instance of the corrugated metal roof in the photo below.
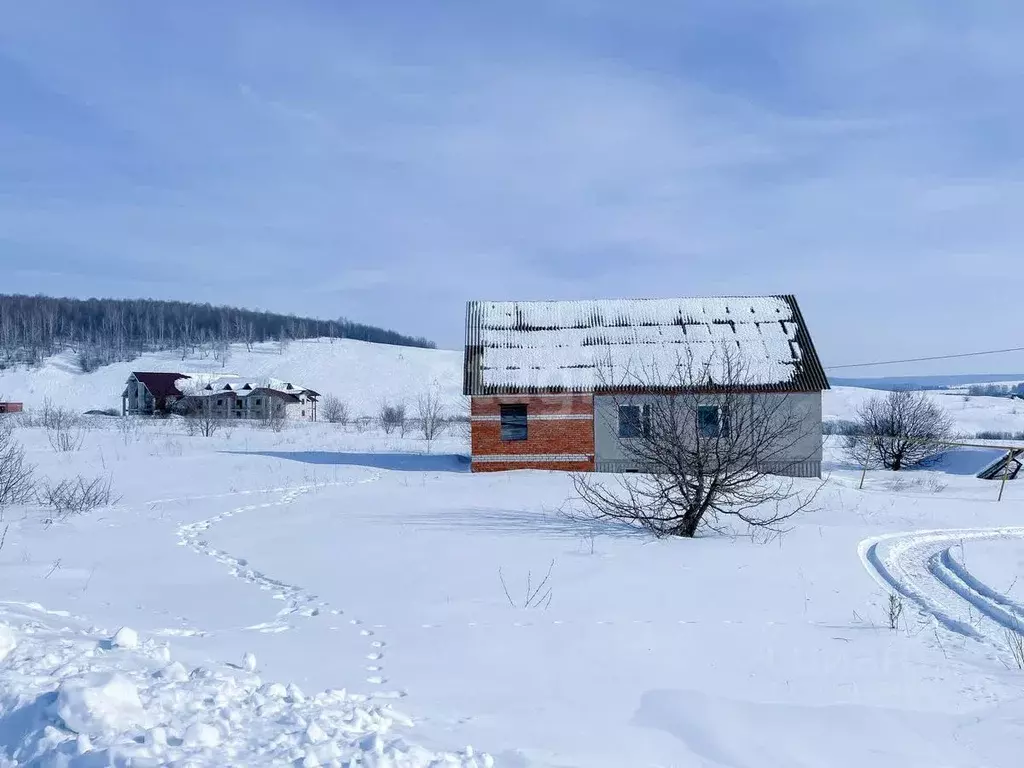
(639, 344)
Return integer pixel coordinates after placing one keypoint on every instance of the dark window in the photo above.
(634, 421)
(220, 402)
(513, 422)
(258, 401)
(712, 420)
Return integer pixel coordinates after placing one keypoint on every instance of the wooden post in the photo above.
(1006, 472)
(863, 474)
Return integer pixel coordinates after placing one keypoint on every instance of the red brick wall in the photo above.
(506, 466)
(539, 404)
(545, 436)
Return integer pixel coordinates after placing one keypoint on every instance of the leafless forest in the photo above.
(102, 331)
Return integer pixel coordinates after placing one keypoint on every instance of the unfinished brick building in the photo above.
(542, 375)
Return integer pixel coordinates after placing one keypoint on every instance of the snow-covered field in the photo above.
(313, 595)
(971, 414)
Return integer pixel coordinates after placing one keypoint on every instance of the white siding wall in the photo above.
(803, 459)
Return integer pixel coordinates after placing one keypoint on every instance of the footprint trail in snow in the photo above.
(298, 602)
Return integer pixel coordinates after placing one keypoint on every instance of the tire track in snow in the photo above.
(921, 566)
(298, 601)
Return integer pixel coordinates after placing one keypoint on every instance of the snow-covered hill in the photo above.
(361, 373)
(365, 374)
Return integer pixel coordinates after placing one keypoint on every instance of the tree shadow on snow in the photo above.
(400, 462)
(512, 521)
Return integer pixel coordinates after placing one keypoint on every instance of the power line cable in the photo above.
(924, 359)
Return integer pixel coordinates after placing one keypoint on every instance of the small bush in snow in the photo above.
(202, 422)
(1015, 645)
(76, 496)
(275, 419)
(64, 428)
(430, 415)
(535, 595)
(51, 416)
(128, 428)
(17, 476)
(460, 426)
(333, 410)
(391, 417)
(895, 610)
(997, 435)
(839, 427)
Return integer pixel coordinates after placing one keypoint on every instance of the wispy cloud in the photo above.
(865, 157)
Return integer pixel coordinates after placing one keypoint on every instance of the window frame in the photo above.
(721, 421)
(509, 425)
(642, 423)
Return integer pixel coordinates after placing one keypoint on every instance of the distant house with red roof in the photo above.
(149, 393)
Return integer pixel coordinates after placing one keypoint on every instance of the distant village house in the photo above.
(9, 407)
(537, 374)
(244, 400)
(160, 393)
(149, 393)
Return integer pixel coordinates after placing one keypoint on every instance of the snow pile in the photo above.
(99, 704)
(126, 637)
(123, 704)
(7, 641)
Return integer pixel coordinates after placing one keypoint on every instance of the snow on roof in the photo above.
(233, 382)
(517, 346)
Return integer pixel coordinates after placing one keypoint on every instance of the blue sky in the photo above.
(387, 161)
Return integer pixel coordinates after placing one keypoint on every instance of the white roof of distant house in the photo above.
(583, 346)
(242, 386)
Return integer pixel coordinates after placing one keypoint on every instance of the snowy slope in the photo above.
(359, 372)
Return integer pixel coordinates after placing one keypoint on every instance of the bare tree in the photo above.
(705, 447)
(334, 410)
(391, 416)
(899, 429)
(63, 429)
(128, 428)
(200, 416)
(222, 351)
(17, 476)
(275, 417)
(430, 415)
